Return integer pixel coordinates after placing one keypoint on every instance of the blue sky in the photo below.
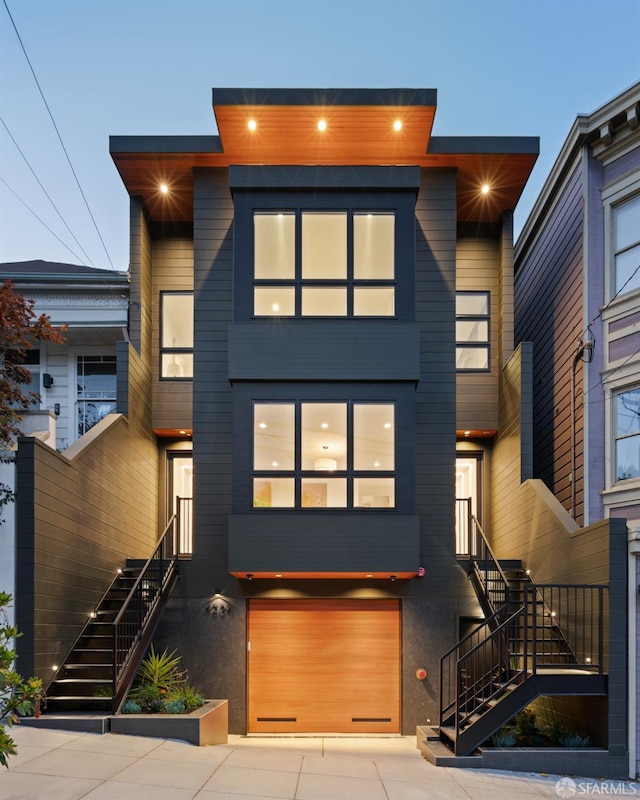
(501, 67)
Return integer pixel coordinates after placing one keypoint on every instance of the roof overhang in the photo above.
(359, 131)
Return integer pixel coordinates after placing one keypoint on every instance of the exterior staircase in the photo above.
(100, 667)
(536, 640)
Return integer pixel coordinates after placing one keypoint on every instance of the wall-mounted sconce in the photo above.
(47, 380)
(56, 409)
(249, 576)
(218, 606)
(392, 577)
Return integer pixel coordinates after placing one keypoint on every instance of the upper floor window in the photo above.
(324, 455)
(472, 330)
(96, 389)
(176, 338)
(324, 264)
(627, 434)
(626, 245)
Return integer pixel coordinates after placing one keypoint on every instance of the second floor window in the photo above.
(324, 455)
(176, 338)
(324, 264)
(627, 434)
(627, 245)
(472, 331)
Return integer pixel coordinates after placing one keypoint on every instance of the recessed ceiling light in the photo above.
(182, 433)
(387, 424)
(322, 125)
(262, 425)
(252, 125)
(325, 425)
(369, 575)
(467, 433)
(397, 125)
(164, 188)
(275, 307)
(278, 574)
(485, 188)
(376, 463)
(274, 463)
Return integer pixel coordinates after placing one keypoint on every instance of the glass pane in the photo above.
(472, 330)
(324, 246)
(378, 301)
(628, 223)
(472, 358)
(373, 246)
(177, 320)
(96, 377)
(470, 304)
(177, 365)
(321, 302)
(374, 492)
(628, 458)
(273, 436)
(274, 246)
(328, 493)
(273, 492)
(373, 436)
(92, 411)
(274, 301)
(324, 436)
(628, 413)
(627, 272)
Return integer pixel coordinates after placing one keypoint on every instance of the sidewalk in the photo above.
(60, 765)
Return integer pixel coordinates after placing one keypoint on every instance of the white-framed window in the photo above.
(324, 264)
(324, 455)
(95, 389)
(473, 331)
(626, 430)
(626, 245)
(176, 335)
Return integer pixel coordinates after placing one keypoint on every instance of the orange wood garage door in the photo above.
(329, 666)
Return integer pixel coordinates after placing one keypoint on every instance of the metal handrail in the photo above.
(137, 610)
(482, 553)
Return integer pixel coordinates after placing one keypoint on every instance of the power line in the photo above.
(39, 220)
(46, 193)
(59, 136)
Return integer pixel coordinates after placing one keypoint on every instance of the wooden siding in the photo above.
(172, 259)
(549, 289)
(79, 515)
(477, 269)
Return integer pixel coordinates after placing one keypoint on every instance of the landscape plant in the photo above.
(161, 686)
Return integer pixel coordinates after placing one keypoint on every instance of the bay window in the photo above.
(627, 434)
(323, 455)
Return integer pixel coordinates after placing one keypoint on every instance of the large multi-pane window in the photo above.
(324, 455)
(324, 264)
(627, 434)
(176, 344)
(472, 330)
(626, 237)
(96, 390)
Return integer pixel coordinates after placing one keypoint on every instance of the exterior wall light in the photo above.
(218, 606)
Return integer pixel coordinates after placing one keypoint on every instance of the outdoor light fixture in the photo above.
(397, 125)
(393, 577)
(164, 188)
(218, 606)
(252, 125)
(249, 576)
(485, 188)
(92, 615)
(322, 125)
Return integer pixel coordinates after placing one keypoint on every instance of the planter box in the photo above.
(204, 726)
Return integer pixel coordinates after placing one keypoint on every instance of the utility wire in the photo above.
(55, 208)
(39, 220)
(59, 136)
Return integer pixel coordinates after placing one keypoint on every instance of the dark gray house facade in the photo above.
(322, 382)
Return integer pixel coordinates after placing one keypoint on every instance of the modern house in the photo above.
(578, 300)
(324, 432)
(76, 380)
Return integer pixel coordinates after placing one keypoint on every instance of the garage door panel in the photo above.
(324, 666)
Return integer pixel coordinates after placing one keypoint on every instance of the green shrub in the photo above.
(573, 739)
(175, 707)
(130, 707)
(191, 698)
(149, 698)
(526, 722)
(505, 737)
(162, 670)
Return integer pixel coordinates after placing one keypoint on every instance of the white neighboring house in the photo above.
(76, 380)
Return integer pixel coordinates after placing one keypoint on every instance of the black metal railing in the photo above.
(132, 627)
(486, 569)
(559, 626)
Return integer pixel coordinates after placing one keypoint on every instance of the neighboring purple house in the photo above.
(577, 298)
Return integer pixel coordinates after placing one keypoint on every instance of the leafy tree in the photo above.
(17, 696)
(20, 328)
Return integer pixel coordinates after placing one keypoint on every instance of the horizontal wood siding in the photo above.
(80, 515)
(549, 300)
(172, 271)
(477, 392)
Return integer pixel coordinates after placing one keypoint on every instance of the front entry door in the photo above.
(330, 666)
